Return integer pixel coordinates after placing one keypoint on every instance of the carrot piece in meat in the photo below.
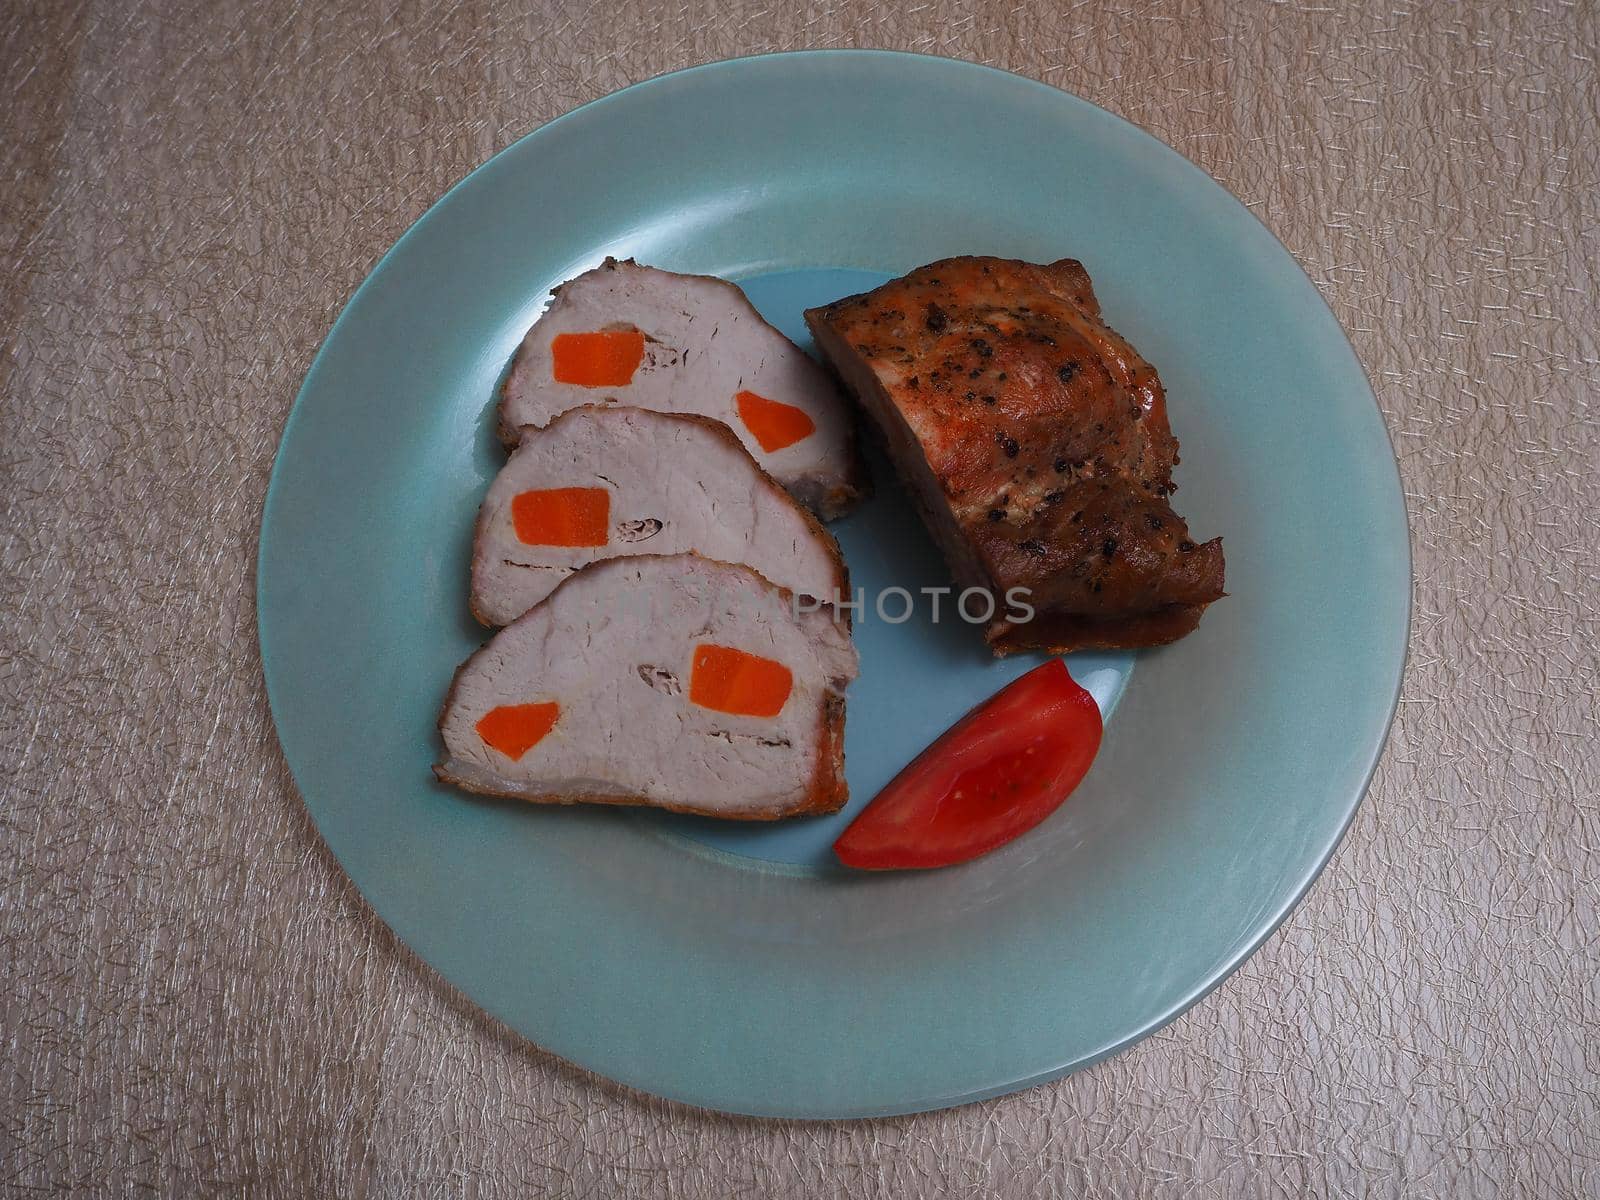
(774, 425)
(514, 729)
(562, 517)
(733, 681)
(604, 359)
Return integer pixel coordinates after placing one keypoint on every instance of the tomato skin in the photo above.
(992, 776)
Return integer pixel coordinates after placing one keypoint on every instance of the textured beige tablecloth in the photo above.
(194, 999)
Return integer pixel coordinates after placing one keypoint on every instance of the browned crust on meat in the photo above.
(556, 799)
(1035, 441)
(1063, 633)
(833, 503)
(898, 442)
(827, 792)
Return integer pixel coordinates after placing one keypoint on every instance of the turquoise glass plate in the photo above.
(736, 968)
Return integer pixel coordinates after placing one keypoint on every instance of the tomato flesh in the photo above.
(994, 775)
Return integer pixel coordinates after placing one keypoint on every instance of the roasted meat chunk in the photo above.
(1036, 444)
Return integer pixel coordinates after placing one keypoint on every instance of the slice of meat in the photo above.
(628, 334)
(603, 482)
(667, 680)
(1035, 442)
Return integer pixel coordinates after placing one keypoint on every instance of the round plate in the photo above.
(735, 968)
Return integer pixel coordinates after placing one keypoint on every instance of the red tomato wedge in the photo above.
(993, 775)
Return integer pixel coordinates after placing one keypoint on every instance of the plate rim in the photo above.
(1198, 991)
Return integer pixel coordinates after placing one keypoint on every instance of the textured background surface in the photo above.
(191, 995)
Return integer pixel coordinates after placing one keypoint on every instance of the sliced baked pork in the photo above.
(1035, 441)
(673, 681)
(603, 482)
(627, 334)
